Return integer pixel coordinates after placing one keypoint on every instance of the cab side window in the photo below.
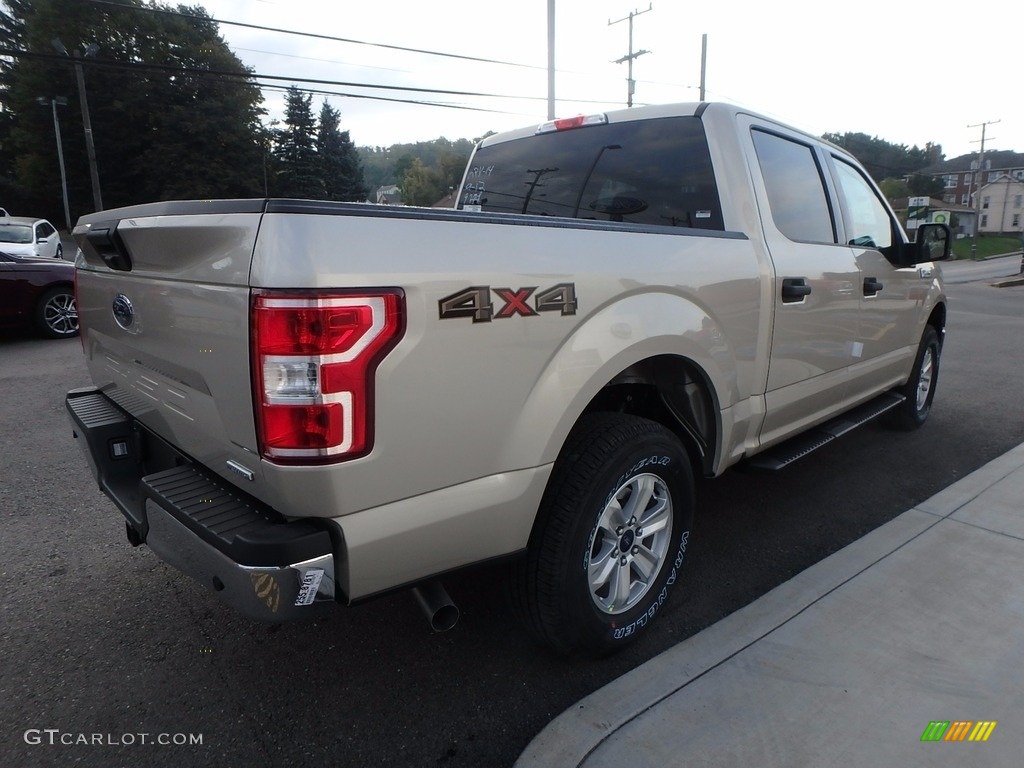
(796, 188)
(867, 221)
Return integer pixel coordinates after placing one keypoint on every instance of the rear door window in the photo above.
(651, 172)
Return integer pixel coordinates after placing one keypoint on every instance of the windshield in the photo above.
(15, 233)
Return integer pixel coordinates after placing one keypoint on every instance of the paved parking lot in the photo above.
(98, 638)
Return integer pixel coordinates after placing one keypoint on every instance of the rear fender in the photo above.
(616, 337)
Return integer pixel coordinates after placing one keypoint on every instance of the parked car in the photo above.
(38, 291)
(25, 236)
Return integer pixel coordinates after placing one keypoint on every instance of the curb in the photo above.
(1009, 282)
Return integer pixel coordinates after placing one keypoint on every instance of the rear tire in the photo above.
(610, 537)
(920, 389)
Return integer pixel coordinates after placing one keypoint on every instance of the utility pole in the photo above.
(551, 59)
(630, 82)
(90, 148)
(54, 103)
(976, 186)
(703, 62)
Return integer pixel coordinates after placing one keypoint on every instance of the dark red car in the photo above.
(40, 292)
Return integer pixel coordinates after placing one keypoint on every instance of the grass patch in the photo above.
(987, 246)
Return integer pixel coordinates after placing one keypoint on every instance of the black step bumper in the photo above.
(265, 567)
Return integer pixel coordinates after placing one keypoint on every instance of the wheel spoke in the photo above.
(646, 564)
(623, 582)
(657, 517)
(642, 490)
(614, 515)
(601, 568)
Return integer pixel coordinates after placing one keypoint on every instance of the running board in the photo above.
(786, 453)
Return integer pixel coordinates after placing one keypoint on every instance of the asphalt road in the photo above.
(101, 640)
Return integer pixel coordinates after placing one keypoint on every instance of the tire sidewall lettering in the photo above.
(621, 633)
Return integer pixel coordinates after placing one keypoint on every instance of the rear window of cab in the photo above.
(649, 172)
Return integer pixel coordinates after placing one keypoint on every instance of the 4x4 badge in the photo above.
(475, 302)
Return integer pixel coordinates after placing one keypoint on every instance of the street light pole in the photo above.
(90, 50)
(60, 153)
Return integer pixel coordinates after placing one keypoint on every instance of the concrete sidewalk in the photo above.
(846, 664)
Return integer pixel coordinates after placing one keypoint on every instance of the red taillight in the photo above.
(314, 358)
(568, 123)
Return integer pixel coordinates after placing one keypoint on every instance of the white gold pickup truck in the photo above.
(303, 403)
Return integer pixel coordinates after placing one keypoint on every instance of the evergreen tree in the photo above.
(338, 161)
(422, 185)
(297, 173)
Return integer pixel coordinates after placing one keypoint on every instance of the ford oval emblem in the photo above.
(124, 312)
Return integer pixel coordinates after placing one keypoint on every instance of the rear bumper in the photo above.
(265, 567)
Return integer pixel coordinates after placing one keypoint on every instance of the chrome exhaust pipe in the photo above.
(437, 605)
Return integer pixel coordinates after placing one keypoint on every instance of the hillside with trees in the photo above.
(890, 163)
(425, 171)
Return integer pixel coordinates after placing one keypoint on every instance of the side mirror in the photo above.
(933, 243)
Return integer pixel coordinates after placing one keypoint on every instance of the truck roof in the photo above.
(684, 109)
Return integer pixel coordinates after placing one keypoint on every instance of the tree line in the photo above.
(175, 114)
(895, 167)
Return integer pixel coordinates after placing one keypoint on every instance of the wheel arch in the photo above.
(937, 319)
(673, 391)
(660, 356)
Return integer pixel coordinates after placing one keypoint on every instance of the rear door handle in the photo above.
(871, 286)
(794, 289)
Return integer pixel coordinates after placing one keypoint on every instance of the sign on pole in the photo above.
(917, 211)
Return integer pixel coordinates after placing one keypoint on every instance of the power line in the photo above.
(258, 76)
(354, 41)
(394, 100)
(317, 35)
(255, 76)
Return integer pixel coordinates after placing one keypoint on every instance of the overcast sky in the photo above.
(906, 72)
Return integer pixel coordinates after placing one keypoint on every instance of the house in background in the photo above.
(1002, 205)
(388, 195)
(963, 178)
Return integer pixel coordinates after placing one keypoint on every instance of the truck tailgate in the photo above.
(164, 303)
